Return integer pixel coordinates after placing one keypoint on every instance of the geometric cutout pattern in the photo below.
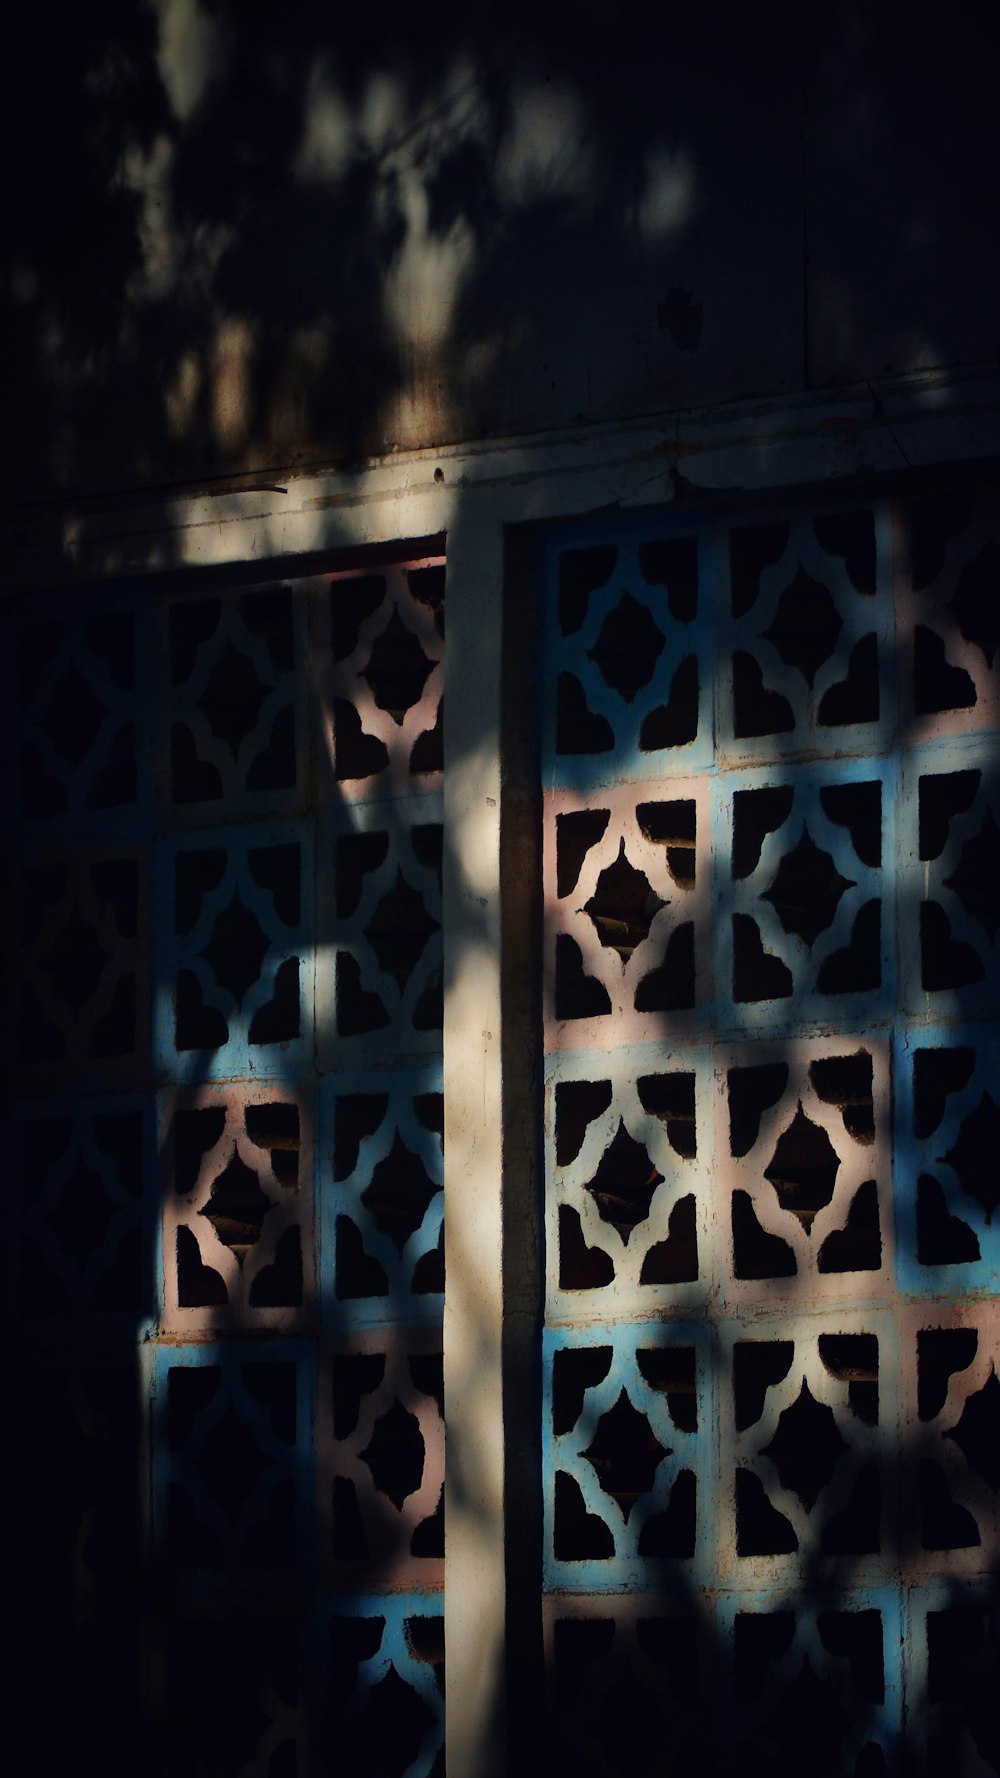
(957, 1629)
(947, 1086)
(382, 679)
(84, 1415)
(628, 1686)
(181, 763)
(236, 727)
(231, 1425)
(382, 1685)
(953, 1509)
(232, 1687)
(814, 1683)
(624, 1485)
(806, 921)
(379, 972)
(755, 902)
(79, 967)
(381, 1444)
(380, 1188)
(772, 1139)
(235, 919)
(82, 1212)
(631, 671)
(953, 856)
(628, 927)
(79, 716)
(950, 568)
(237, 1224)
(808, 637)
(629, 1189)
(804, 1150)
(807, 1455)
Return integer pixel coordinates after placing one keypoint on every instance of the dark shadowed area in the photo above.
(259, 235)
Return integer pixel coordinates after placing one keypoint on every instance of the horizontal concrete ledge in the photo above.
(885, 428)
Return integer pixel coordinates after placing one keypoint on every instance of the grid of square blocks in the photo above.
(225, 1039)
(771, 1104)
(771, 890)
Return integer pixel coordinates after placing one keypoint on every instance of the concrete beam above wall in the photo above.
(884, 428)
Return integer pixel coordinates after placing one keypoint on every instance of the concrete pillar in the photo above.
(473, 1323)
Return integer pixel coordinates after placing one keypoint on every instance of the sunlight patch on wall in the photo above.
(669, 196)
(546, 153)
(192, 51)
(329, 135)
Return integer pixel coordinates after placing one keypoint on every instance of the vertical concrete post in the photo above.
(473, 1322)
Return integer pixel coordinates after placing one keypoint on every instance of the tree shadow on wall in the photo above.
(244, 237)
(844, 1223)
(238, 250)
(211, 1520)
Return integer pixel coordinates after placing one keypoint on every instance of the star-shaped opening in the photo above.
(399, 1193)
(623, 907)
(806, 1447)
(625, 1453)
(806, 625)
(395, 1454)
(628, 647)
(237, 1207)
(236, 949)
(397, 669)
(803, 1169)
(806, 890)
(624, 1183)
(399, 930)
(233, 698)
